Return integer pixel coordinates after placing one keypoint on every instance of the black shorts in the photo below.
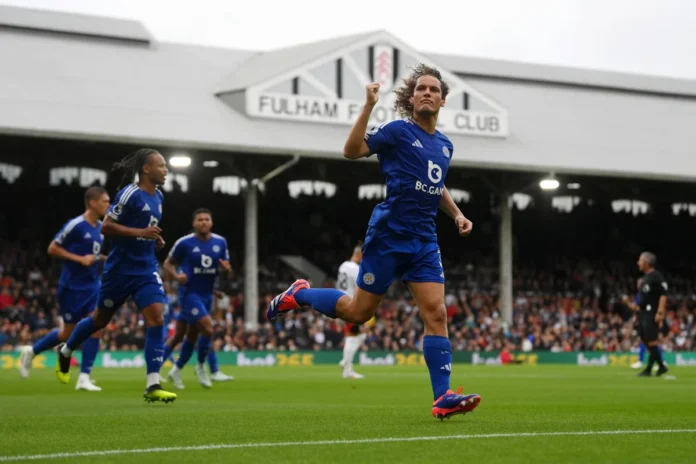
(649, 332)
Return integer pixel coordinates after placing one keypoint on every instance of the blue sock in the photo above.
(641, 352)
(90, 348)
(167, 352)
(323, 300)
(47, 342)
(213, 361)
(82, 332)
(659, 350)
(154, 349)
(185, 354)
(438, 357)
(203, 347)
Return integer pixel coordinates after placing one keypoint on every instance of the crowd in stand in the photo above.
(565, 307)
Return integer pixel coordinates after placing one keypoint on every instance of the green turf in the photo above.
(306, 404)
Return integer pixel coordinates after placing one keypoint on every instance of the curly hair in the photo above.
(402, 104)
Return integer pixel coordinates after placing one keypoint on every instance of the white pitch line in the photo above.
(117, 452)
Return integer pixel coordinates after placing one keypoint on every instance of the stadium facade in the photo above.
(85, 78)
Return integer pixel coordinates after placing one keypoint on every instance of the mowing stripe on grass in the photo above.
(117, 452)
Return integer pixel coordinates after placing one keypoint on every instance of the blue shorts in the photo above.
(144, 289)
(387, 257)
(75, 305)
(194, 308)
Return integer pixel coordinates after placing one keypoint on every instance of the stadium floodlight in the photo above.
(573, 186)
(549, 184)
(211, 164)
(180, 161)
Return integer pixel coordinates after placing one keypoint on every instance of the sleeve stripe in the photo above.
(127, 194)
(68, 228)
(171, 252)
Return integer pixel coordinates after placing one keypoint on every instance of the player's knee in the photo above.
(64, 334)
(101, 318)
(205, 326)
(154, 320)
(435, 316)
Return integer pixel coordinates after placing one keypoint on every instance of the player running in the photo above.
(199, 256)
(78, 244)
(131, 267)
(401, 240)
(354, 336)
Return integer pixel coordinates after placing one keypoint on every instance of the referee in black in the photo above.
(652, 310)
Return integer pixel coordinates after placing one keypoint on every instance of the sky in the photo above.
(654, 37)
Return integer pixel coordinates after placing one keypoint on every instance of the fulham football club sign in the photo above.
(331, 89)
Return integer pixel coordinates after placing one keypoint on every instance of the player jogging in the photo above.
(354, 337)
(199, 256)
(401, 240)
(131, 267)
(651, 311)
(78, 244)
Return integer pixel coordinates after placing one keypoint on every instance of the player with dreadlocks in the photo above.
(131, 267)
(401, 240)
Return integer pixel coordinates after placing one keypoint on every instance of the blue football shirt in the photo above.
(138, 209)
(414, 164)
(81, 238)
(199, 260)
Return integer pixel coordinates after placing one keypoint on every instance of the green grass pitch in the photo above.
(528, 414)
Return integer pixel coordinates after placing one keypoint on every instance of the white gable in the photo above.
(331, 89)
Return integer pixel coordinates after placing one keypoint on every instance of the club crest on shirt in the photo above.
(216, 248)
(369, 278)
(445, 151)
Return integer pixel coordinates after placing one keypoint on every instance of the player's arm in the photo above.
(111, 227)
(57, 251)
(356, 147)
(170, 265)
(63, 239)
(450, 208)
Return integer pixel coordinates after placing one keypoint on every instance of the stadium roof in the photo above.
(90, 78)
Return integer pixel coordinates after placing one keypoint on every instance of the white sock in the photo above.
(67, 352)
(350, 347)
(84, 377)
(152, 379)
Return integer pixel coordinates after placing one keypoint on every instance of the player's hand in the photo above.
(625, 300)
(225, 265)
(463, 225)
(372, 93)
(151, 233)
(219, 294)
(181, 278)
(160, 243)
(88, 260)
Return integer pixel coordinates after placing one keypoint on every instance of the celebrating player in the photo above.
(401, 240)
(78, 244)
(131, 267)
(199, 255)
(354, 337)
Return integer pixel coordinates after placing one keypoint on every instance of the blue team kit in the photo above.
(131, 270)
(401, 240)
(199, 260)
(79, 285)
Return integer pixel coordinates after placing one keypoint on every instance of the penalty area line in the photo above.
(117, 452)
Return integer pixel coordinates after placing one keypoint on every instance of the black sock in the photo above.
(655, 357)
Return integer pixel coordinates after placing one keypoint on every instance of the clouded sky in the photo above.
(641, 36)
